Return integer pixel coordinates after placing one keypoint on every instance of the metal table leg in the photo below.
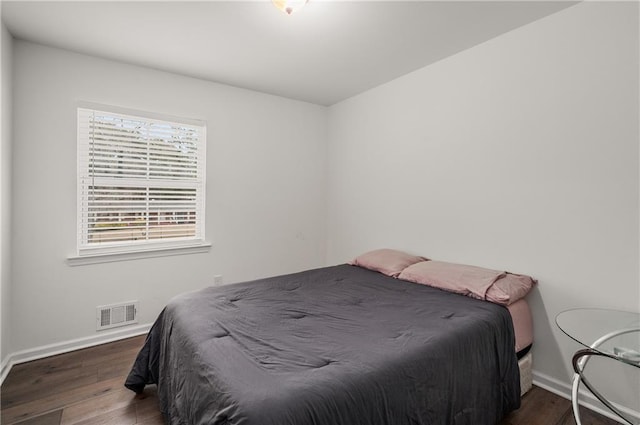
(579, 361)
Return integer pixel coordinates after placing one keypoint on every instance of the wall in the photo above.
(6, 50)
(265, 208)
(518, 154)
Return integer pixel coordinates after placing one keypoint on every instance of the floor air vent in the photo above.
(111, 316)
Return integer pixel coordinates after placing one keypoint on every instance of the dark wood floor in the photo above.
(85, 387)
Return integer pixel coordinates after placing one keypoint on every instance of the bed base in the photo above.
(526, 374)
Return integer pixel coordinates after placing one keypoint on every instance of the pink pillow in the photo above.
(386, 261)
(492, 285)
(510, 288)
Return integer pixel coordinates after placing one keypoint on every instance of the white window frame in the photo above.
(88, 253)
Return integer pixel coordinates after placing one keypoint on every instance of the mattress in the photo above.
(522, 326)
(331, 346)
(523, 330)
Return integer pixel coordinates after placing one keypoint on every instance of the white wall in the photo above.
(518, 154)
(6, 50)
(265, 190)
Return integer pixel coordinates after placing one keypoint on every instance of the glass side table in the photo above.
(605, 333)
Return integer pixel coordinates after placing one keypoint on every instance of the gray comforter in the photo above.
(334, 346)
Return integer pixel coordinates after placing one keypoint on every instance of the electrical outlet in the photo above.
(217, 280)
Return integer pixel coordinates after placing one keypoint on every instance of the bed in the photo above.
(335, 345)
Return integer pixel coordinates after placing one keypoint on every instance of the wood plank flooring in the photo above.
(86, 387)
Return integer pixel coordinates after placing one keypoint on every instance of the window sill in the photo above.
(81, 260)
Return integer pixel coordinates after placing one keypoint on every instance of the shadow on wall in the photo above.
(544, 328)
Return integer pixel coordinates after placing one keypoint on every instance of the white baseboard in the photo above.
(67, 346)
(588, 400)
(5, 367)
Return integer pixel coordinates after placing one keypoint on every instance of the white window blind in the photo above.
(140, 182)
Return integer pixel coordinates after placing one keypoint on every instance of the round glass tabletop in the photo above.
(610, 332)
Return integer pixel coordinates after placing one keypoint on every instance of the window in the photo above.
(140, 183)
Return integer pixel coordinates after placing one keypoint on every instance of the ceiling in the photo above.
(329, 51)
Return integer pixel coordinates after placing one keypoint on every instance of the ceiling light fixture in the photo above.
(289, 6)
